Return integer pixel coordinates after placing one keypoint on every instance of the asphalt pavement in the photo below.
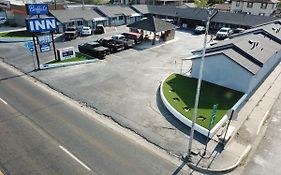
(124, 86)
(43, 134)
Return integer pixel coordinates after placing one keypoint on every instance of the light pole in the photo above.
(210, 15)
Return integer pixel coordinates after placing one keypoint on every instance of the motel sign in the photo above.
(41, 24)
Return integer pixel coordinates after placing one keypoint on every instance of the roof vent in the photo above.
(253, 43)
(278, 30)
(273, 28)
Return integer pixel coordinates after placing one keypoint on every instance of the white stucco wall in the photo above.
(266, 69)
(255, 10)
(221, 70)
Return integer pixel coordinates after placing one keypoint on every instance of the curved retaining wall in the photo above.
(188, 122)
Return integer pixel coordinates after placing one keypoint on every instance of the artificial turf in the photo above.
(180, 92)
(79, 57)
(16, 34)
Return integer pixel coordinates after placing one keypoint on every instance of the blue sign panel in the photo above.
(41, 24)
(37, 9)
(45, 47)
(29, 45)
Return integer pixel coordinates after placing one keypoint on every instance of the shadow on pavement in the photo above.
(174, 121)
(179, 168)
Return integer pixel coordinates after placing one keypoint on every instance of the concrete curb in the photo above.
(14, 40)
(262, 122)
(222, 170)
(50, 66)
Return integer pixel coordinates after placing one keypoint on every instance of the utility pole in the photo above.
(83, 4)
(210, 15)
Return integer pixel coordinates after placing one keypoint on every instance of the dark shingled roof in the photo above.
(241, 19)
(201, 14)
(64, 16)
(113, 10)
(153, 24)
(240, 48)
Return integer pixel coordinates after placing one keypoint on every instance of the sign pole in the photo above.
(228, 124)
(212, 121)
(54, 47)
(33, 60)
(36, 52)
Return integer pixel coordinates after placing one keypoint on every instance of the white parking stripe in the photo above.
(75, 158)
(3, 101)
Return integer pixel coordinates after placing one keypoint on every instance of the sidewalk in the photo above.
(251, 118)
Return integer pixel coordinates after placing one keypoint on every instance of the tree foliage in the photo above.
(212, 2)
(201, 3)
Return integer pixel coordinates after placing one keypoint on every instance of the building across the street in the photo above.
(244, 61)
(254, 7)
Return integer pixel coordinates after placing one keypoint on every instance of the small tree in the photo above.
(201, 3)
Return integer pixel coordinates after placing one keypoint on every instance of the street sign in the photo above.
(37, 9)
(41, 24)
(44, 42)
(29, 45)
(213, 115)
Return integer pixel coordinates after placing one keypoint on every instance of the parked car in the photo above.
(126, 41)
(71, 33)
(93, 49)
(99, 29)
(238, 30)
(3, 20)
(223, 33)
(199, 30)
(137, 37)
(86, 31)
(114, 46)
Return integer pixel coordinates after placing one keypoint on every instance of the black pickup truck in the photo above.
(93, 49)
(114, 46)
(126, 41)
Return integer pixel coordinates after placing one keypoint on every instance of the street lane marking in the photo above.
(75, 158)
(3, 101)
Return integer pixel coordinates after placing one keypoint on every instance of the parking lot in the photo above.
(124, 86)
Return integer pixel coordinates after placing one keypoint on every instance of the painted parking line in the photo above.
(3, 101)
(74, 157)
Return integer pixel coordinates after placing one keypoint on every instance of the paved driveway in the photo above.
(125, 86)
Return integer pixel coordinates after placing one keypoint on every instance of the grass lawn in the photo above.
(79, 57)
(16, 34)
(180, 92)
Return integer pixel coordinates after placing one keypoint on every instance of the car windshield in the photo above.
(71, 29)
(223, 30)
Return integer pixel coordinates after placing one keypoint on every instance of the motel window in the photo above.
(237, 3)
(121, 18)
(114, 18)
(79, 23)
(249, 4)
(263, 5)
(72, 23)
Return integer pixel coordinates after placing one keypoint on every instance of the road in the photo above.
(43, 134)
(267, 157)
